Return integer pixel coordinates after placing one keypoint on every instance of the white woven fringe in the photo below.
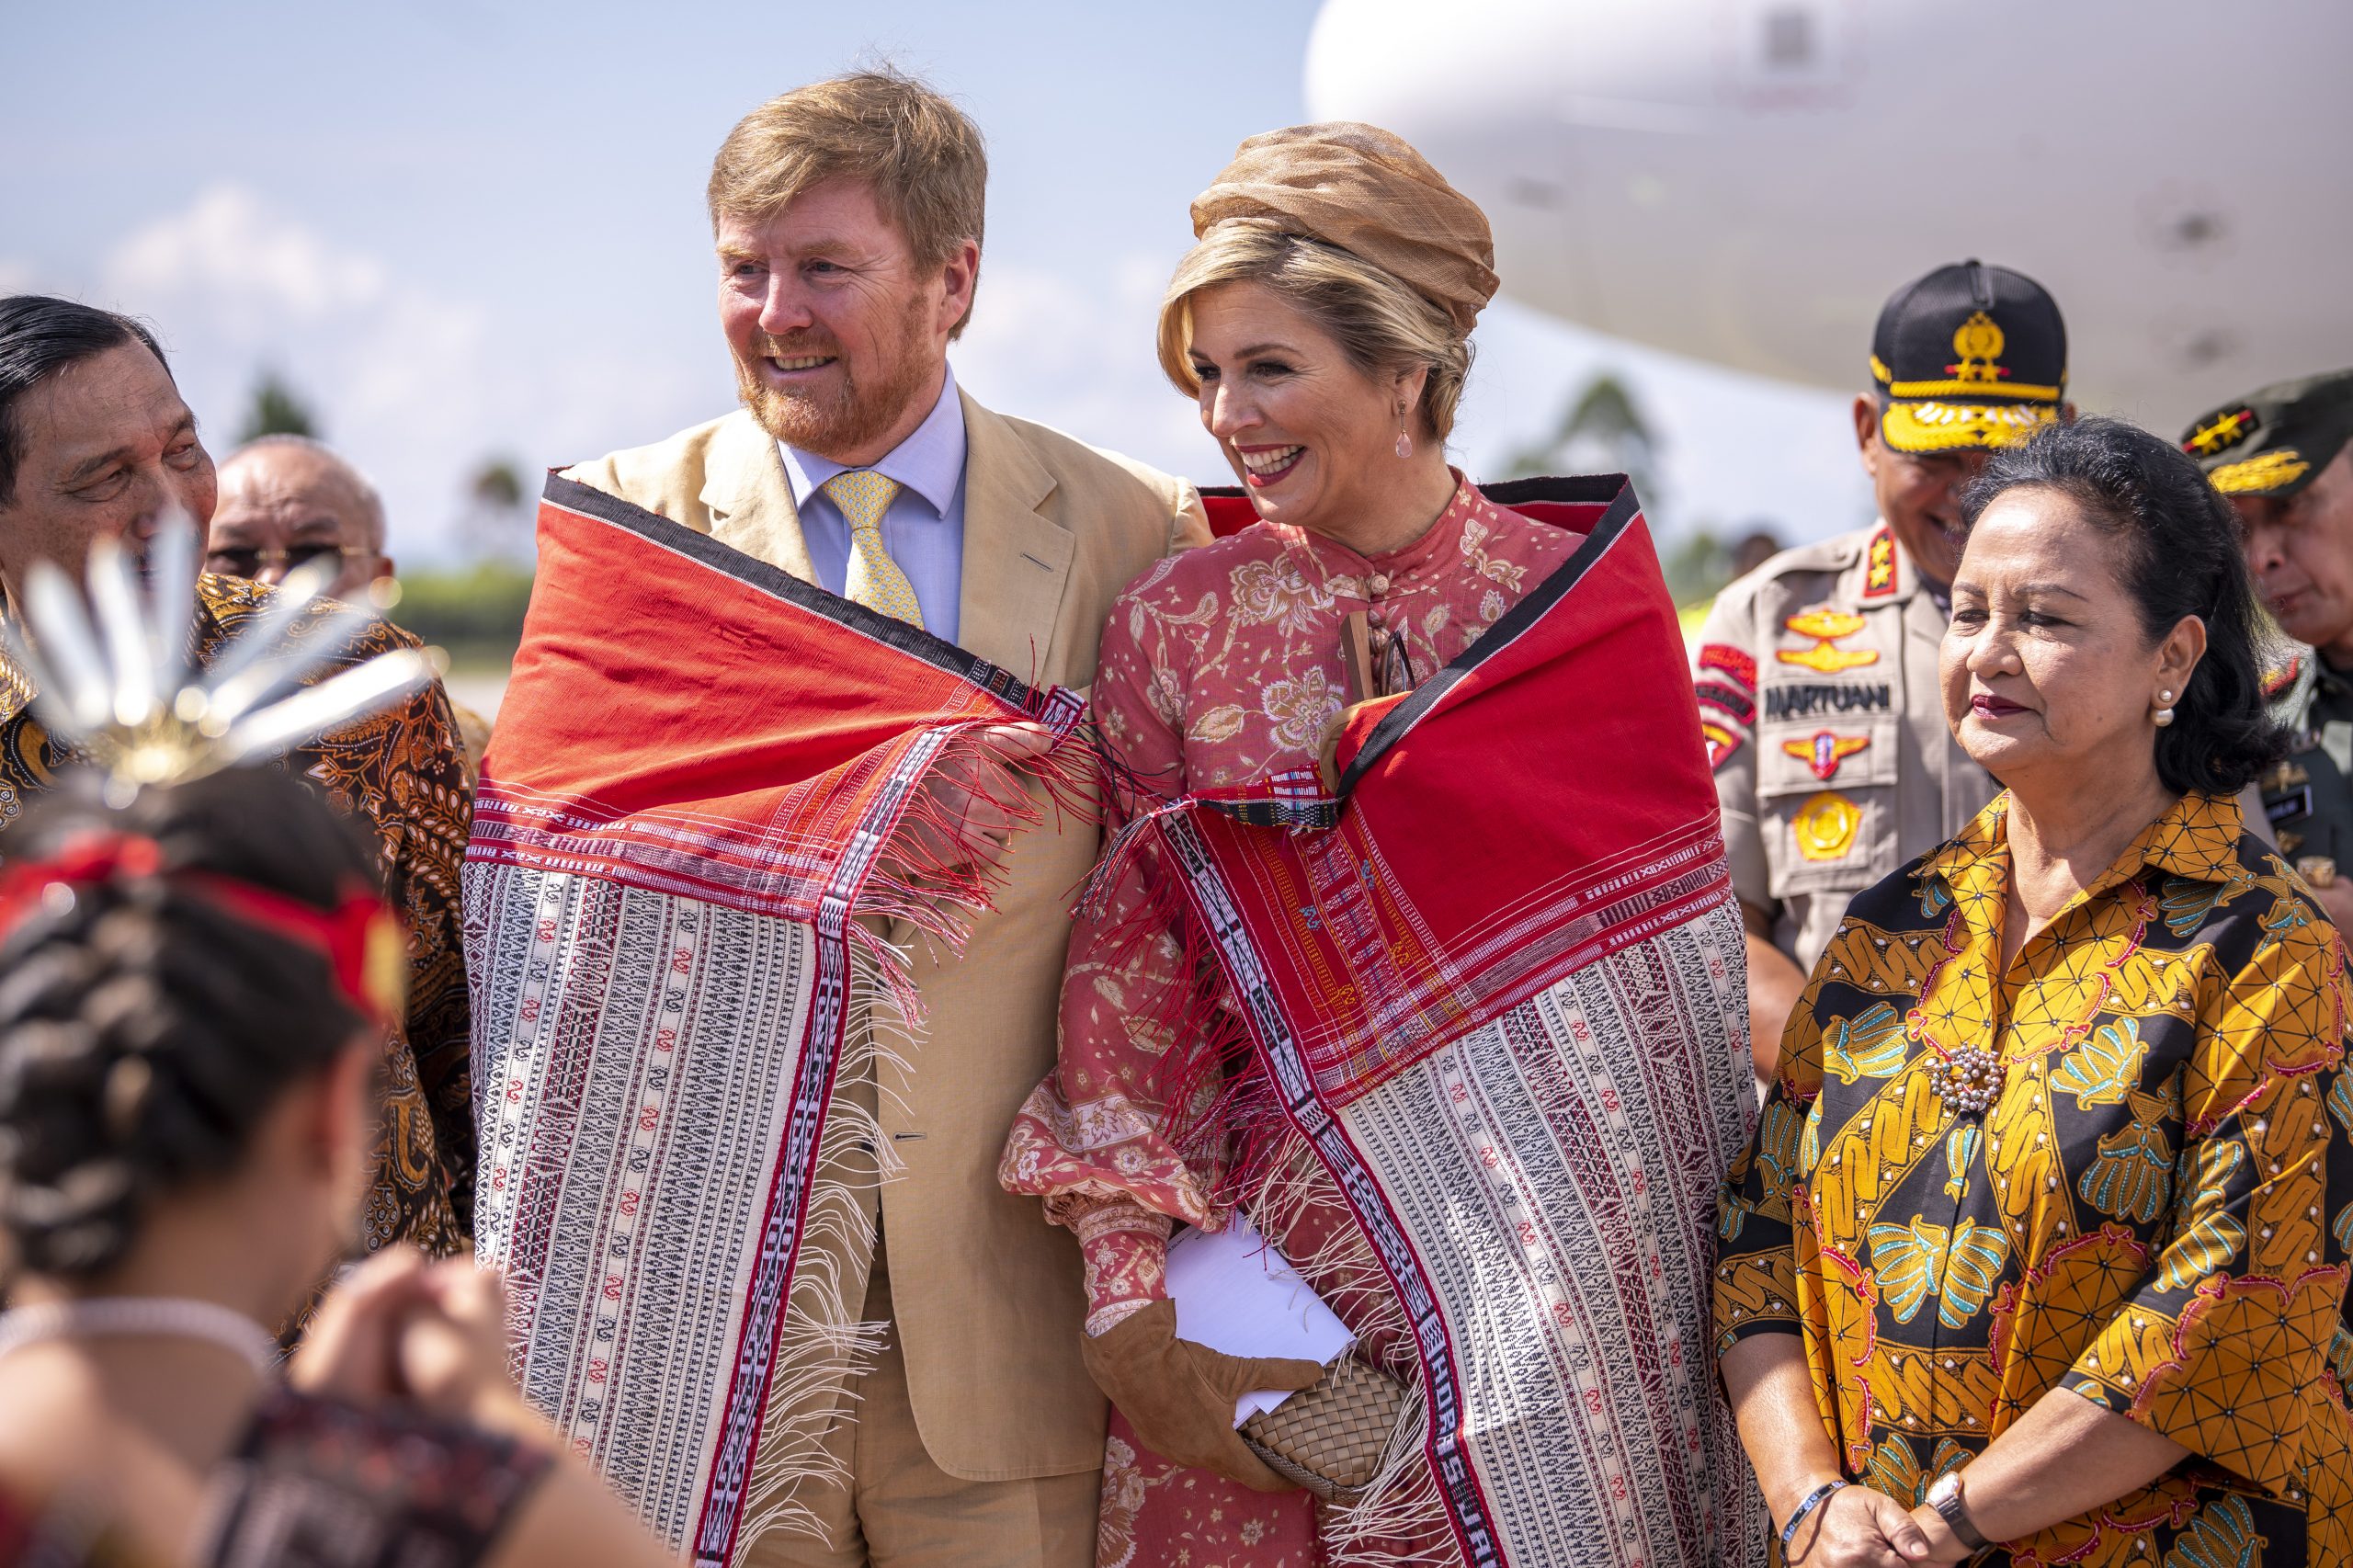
(824, 1346)
(1400, 1505)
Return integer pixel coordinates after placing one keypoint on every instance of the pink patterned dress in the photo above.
(1222, 668)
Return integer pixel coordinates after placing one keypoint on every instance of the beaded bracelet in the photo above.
(1813, 1499)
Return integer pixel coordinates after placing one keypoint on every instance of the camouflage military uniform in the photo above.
(2306, 797)
(1825, 726)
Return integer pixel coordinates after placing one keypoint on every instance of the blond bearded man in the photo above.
(847, 217)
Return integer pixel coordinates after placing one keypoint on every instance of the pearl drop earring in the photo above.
(2164, 715)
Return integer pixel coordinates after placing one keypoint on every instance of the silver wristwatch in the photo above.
(1944, 1496)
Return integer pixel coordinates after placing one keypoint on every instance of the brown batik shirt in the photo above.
(401, 774)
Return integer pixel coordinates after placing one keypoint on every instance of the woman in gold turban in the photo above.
(1322, 323)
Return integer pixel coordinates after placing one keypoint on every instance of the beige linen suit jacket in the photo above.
(987, 1297)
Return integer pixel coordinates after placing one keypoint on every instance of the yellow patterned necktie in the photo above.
(874, 579)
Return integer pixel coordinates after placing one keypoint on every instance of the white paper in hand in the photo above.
(1236, 1294)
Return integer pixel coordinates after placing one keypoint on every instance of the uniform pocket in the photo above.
(1826, 797)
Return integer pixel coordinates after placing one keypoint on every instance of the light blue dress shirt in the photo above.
(924, 529)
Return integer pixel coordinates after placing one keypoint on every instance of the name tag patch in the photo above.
(1802, 702)
(2294, 804)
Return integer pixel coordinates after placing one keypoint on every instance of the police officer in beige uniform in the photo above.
(1817, 672)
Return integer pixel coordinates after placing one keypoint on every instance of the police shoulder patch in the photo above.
(1721, 743)
(1736, 663)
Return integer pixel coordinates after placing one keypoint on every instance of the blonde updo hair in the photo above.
(1384, 325)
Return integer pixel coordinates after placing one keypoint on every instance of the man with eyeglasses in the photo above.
(287, 501)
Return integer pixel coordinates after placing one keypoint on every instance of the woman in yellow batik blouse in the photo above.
(2043, 1240)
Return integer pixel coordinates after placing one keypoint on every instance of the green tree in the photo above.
(1696, 566)
(1602, 430)
(498, 485)
(498, 516)
(276, 410)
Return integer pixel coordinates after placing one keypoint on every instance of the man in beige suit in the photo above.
(849, 221)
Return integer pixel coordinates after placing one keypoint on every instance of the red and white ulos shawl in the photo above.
(695, 814)
(1492, 987)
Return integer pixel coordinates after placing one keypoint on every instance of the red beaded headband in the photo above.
(361, 938)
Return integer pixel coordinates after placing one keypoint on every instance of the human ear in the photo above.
(1867, 433)
(958, 277)
(2178, 656)
(1406, 398)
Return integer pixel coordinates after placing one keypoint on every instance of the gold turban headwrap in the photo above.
(1364, 190)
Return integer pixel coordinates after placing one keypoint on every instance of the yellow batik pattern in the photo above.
(2155, 1213)
(874, 579)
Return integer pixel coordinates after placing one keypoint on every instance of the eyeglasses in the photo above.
(1374, 660)
(251, 563)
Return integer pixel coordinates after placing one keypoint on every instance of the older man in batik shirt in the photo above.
(95, 442)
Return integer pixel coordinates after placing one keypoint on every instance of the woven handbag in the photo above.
(1331, 1437)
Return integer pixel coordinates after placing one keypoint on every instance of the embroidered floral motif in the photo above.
(1277, 594)
(1301, 710)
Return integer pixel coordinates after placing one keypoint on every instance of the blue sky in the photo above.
(462, 231)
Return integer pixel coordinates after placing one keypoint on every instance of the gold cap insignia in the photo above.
(1979, 346)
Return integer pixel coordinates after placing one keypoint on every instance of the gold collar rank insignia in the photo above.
(1827, 627)
(1878, 563)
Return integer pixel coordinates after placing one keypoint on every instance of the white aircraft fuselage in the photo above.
(1745, 181)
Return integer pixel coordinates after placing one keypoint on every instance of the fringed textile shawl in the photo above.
(702, 806)
(1495, 982)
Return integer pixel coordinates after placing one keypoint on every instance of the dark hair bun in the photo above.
(144, 1031)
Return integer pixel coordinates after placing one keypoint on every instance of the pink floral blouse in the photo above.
(1219, 667)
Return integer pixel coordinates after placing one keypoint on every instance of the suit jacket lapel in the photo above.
(750, 500)
(1016, 561)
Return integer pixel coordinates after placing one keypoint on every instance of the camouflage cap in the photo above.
(2276, 441)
